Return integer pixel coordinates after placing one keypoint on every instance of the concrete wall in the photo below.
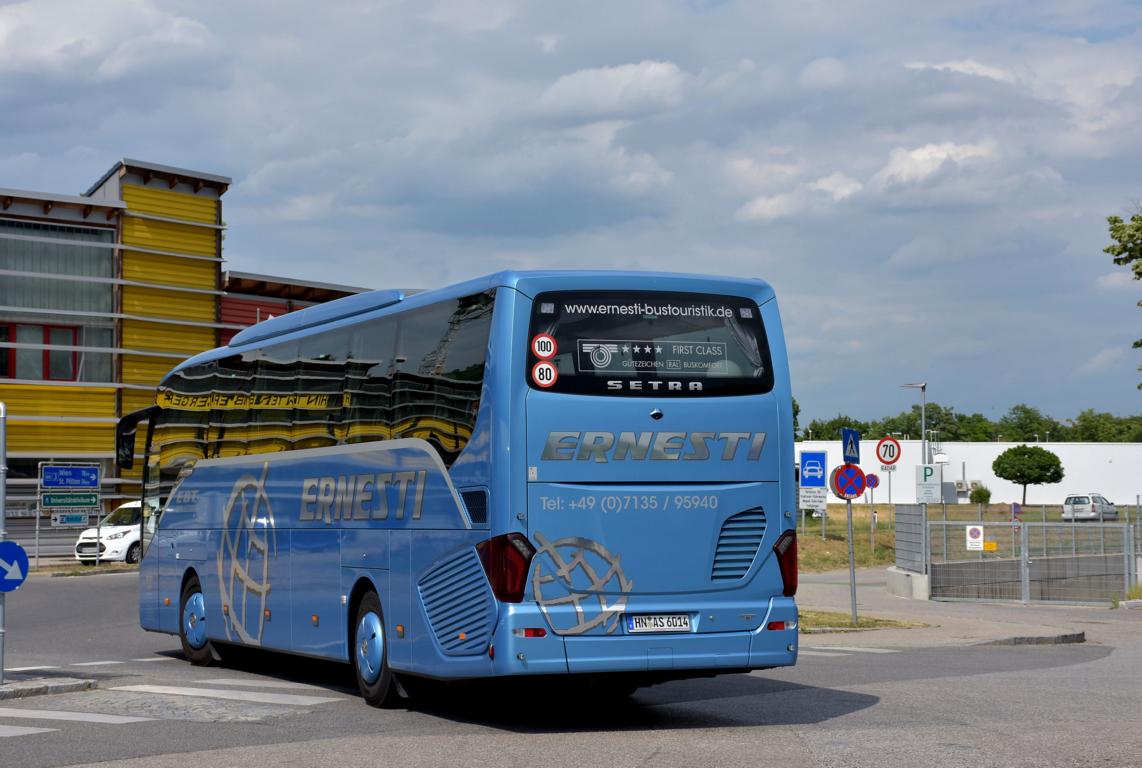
(1112, 469)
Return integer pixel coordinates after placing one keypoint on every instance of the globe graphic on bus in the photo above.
(247, 545)
(579, 585)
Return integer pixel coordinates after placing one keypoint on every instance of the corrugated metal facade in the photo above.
(161, 218)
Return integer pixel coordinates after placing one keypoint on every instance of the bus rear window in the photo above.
(647, 343)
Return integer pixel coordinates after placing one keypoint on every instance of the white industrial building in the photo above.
(1112, 469)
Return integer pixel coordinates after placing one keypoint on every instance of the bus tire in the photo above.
(192, 625)
(370, 654)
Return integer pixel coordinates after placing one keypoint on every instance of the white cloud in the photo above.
(824, 73)
(966, 67)
(548, 43)
(908, 166)
(750, 175)
(467, 16)
(768, 208)
(1116, 281)
(628, 89)
(837, 185)
(1102, 361)
(101, 41)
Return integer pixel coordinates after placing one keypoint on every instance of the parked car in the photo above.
(1089, 506)
(118, 537)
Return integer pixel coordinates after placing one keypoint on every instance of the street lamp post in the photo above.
(923, 387)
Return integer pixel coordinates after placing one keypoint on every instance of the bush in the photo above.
(981, 494)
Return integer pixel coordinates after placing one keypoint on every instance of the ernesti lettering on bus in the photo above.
(362, 497)
(603, 447)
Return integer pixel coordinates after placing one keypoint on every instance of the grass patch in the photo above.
(1135, 592)
(810, 621)
(815, 554)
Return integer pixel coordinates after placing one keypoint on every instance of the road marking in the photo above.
(96, 663)
(19, 730)
(155, 658)
(77, 717)
(256, 696)
(26, 669)
(258, 683)
(852, 649)
(820, 653)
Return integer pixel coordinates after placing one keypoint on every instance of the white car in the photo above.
(1089, 506)
(118, 537)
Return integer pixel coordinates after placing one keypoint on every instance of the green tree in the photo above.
(1092, 427)
(1127, 250)
(796, 413)
(1023, 422)
(1028, 465)
(830, 429)
(948, 425)
(981, 494)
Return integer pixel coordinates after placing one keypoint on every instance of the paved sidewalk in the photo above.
(953, 623)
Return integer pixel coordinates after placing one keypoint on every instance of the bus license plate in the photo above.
(658, 622)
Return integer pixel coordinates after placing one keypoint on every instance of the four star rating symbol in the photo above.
(643, 348)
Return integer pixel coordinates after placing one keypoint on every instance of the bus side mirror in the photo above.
(125, 435)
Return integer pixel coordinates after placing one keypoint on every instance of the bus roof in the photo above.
(530, 283)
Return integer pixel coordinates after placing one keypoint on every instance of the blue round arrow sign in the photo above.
(13, 566)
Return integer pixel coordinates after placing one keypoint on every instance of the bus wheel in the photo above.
(371, 655)
(192, 625)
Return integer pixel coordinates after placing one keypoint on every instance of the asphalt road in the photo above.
(865, 705)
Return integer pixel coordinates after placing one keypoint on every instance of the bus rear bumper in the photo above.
(772, 644)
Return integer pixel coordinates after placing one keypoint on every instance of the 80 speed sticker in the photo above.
(543, 346)
(544, 374)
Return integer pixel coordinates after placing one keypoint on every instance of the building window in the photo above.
(36, 363)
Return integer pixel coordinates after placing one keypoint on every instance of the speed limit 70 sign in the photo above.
(888, 452)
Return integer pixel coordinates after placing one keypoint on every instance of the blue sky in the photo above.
(925, 184)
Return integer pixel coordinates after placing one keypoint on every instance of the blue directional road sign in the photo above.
(850, 444)
(76, 478)
(13, 566)
(814, 469)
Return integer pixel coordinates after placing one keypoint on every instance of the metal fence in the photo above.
(1072, 562)
(911, 553)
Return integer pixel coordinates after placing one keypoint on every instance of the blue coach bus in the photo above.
(580, 474)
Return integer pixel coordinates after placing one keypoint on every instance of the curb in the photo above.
(90, 572)
(1135, 604)
(1065, 639)
(19, 689)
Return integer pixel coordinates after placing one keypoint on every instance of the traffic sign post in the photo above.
(812, 493)
(70, 492)
(850, 445)
(927, 484)
(848, 482)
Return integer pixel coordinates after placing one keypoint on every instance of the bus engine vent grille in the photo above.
(738, 542)
(477, 504)
(459, 604)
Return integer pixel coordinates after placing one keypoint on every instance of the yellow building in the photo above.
(100, 295)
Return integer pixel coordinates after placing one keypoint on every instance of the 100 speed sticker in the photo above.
(543, 346)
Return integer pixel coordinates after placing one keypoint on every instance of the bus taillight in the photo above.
(506, 560)
(786, 549)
